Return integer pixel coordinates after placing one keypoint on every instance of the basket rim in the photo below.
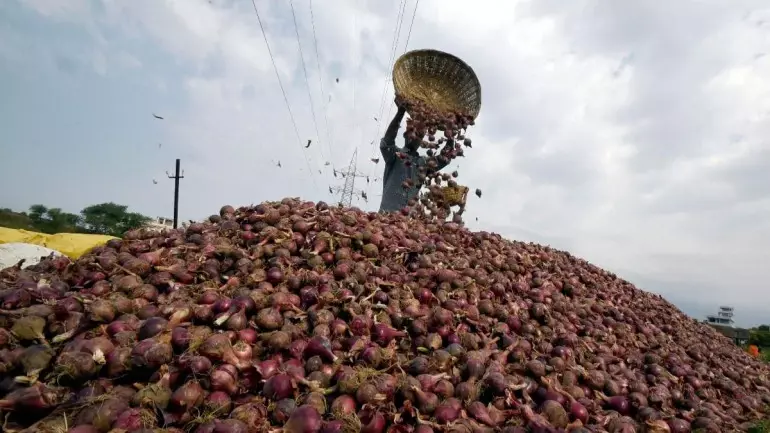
(432, 51)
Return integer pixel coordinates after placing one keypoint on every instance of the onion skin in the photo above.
(230, 426)
(371, 421)
(480, 413)
(304, 419)
(445, 413)
(283, 410)
(130, 420)
(344, 405)
(180, 339)
(36, 397)
(320, 346)
(224, 379)
(188, 396)
(333, 426)
(278, 387)
(578, 412)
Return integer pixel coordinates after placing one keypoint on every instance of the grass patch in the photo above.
(762, 426)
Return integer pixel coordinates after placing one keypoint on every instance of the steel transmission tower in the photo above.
(348, 190)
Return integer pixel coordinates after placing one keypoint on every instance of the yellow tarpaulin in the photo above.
(72, 245)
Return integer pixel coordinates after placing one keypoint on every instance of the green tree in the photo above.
(759, 338)
(53, 220)
(111, 219)
(15, 220)
(765, 328)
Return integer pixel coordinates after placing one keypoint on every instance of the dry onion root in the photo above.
(308, 318)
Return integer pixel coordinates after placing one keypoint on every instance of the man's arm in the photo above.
(443, 159)
(388, 142)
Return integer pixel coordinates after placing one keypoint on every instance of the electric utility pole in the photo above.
(177, 175)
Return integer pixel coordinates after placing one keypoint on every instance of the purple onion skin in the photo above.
(219, 401)
(333, 426)
(304, 419)
(372, 421)
(446, 414)
(619, 404)
(578, 412)
(206, 427)
(199, 365)
(678, 425)
(230, 426)
(320, 346)
(278, 387)
(129, 420)
(180, 339)
(344, 404)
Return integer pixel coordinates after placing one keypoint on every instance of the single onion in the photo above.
(304, 419)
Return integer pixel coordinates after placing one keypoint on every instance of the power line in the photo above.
(283, 91)
(414, 14)
(320, 81)
(396, 33)
(304, 69)
(356, 31)
(394, 45)
(406, 45)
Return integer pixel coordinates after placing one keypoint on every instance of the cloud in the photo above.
(634, 135)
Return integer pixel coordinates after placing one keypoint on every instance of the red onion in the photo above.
(278, 387)
(384, 334)
(479, 411)
(35, 397)
(180, 339)
(152, 327)
(304, 419)
(617, 403)
(130, 420)
(283, 410)
(320, 346)
(372, 421)
(344, 405)
(188, 396)
(267, 368)
(446, 413)
(224, 378)
(248, 335)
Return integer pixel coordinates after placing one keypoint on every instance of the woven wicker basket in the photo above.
(439, 79)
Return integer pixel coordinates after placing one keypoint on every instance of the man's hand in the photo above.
(400, 103)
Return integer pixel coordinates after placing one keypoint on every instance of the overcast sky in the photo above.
(633, 134)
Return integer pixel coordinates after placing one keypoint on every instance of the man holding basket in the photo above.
(401, 178)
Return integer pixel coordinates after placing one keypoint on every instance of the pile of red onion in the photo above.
(298, 317)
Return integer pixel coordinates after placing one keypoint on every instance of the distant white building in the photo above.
(161, 223)
(724, 324)
(724, 317)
